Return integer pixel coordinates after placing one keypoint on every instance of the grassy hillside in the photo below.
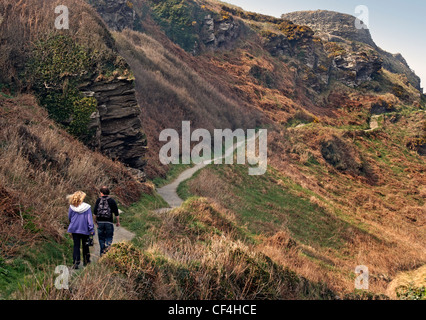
(170, 89)
(336, 194)
(368, 211)
(40, 164)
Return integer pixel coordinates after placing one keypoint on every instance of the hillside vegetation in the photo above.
(337, 193)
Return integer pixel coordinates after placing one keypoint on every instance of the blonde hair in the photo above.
(76, 198)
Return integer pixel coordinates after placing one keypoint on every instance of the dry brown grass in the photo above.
(96, 282)
(172, 86)
(39, 165)
(27, 21)
(390, 210)
(197, 254)
(417, 278)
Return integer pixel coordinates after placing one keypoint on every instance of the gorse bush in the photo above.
(56, 67)
(411, 292)
(295, 32)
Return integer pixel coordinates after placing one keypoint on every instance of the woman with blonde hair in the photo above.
(81, 226)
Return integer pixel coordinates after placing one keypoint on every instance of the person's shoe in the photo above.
(75, 267)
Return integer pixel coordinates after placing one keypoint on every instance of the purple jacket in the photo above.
(81, 220)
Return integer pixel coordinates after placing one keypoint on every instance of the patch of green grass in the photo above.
(140, 219)
(174, 171)
(151, 202)
(5, 95)
(411, 292)
(32, 262)
(183, 188)
(267, 207)
(180, 20)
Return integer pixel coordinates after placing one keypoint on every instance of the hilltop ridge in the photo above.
(340, 27)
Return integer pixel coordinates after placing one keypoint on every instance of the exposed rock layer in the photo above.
(118, 126)
(220, 33)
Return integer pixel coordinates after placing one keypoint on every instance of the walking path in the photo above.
(120, 234)
(169, 192)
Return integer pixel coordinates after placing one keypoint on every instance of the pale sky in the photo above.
(396, 26)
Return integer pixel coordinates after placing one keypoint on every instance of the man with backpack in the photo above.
(104, 210)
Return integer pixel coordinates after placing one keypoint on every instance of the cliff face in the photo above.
(82, 60)
(340, 28)
(117, 14)
(118, 126)
(219, 33)
(322, 60)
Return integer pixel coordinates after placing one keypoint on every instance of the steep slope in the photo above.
(58, 89)
(76, 74)
(40, 164)
(318, 95)
(241, 69)
(336, 194)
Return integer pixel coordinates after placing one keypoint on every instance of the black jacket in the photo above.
(112, 205)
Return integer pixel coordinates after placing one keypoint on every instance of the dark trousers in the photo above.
(80, 239)
(105, 235)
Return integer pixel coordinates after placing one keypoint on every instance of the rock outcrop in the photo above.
(219, 33)
(323, 60)
(118, 126)
(117, 14)
(354, 69)
(340, 28)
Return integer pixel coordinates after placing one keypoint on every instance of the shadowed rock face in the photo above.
(118, 126)
(117, 14)
(357, 68)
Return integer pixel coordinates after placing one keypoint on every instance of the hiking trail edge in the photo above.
(169, 192)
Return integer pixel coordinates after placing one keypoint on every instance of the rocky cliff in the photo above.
(322, 59)
(219, 32)
(340, 28)
(59, 66)
(117, 14)
(118, 126)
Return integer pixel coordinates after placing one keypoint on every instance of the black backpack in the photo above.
(104, 211)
